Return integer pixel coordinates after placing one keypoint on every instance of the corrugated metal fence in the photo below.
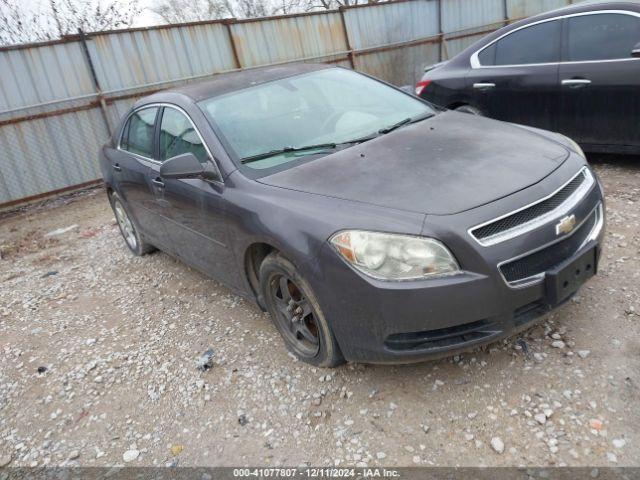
(60, 100)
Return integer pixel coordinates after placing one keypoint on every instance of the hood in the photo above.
(447, 164)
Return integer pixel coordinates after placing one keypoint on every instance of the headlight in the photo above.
(575, 147)
(389, 256)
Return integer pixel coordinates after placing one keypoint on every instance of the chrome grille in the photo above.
(547, 258)
(535, 215)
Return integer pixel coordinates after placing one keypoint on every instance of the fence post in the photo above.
(440, 33)
(234, 48)
(96, 82)
(347, 42)
(505, 11)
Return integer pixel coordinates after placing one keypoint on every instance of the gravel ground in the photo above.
(99, 352)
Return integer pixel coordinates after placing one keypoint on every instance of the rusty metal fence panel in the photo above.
(139, 58)
(60, 100)
(40, 74)
(458, 15)
(403, 66)
(301, 37)
(525, 8)
(49, 154)
(391, 23)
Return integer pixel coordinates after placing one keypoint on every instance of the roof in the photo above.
(224, 83)
(590, 5)
(586, 6)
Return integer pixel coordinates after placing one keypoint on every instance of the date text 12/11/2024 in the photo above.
(316, 472)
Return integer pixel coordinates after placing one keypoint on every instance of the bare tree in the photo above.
(20, 26)
(62, 17)
(56, 18)
(182, 11)
(93, 16)
(252, 8)
(265, 8)
(331, 4)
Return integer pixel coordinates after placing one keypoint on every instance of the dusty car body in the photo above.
(431, 234)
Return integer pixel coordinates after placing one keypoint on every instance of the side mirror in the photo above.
(187, 166)
(636, 51)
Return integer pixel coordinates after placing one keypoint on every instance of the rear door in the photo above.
(132, 161)
(515, 78)
(600, 80)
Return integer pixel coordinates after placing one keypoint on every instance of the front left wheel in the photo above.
(296, 313)
(127, 227)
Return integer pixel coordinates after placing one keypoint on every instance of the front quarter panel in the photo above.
(299, 224)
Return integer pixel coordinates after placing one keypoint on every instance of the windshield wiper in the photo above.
(391, 128)
(332, 146)
(278, 151)
(406, 121)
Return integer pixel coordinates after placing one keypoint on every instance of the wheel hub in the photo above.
(295, 311)
(295, 315)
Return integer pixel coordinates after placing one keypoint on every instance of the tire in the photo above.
(296, 313)
(469, 109)
(128, 228)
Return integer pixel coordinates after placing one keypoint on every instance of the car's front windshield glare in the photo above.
(327, 106)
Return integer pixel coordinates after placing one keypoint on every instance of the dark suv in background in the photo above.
(575, 71)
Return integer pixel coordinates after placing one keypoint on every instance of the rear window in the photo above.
(604, 36)
(535, 44)
(137, 136)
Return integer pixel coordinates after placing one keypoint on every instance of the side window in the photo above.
(138, 132)
(535, 44)
(602, 36)
(178, 136)
(487, 56)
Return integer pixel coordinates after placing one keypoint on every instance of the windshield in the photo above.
(330, 106)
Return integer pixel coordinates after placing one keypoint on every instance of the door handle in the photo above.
(157, 182)
(484, 86)
(117, 167)
(575, 82)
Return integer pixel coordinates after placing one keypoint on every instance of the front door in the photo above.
(515, 79)
(193, 209)
(600, 80)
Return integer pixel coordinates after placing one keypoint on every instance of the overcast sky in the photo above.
(145, 19)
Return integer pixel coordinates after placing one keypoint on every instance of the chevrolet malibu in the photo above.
(371, 225)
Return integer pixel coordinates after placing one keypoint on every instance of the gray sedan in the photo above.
(371, 225)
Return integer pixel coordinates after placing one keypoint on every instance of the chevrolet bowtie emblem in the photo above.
(566, 225)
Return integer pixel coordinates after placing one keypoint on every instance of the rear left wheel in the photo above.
(296, 313)
(128, 228)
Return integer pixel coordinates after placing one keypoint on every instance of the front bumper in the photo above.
(399, 322)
